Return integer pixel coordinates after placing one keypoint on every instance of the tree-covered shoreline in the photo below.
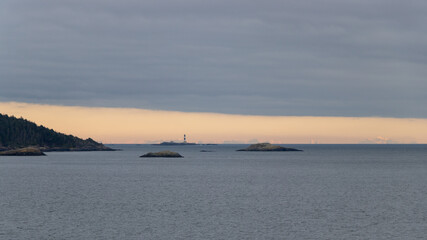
(20, 133)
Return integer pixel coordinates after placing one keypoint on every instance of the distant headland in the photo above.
(18, 133)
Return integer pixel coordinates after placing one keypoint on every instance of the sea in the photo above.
(324, 192)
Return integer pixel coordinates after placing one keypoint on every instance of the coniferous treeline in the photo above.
(18, 132)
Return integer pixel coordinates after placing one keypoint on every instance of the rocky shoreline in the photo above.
(40, 151)
(27, 151)
(79, 149)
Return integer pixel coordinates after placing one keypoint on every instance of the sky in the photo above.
(330, 58)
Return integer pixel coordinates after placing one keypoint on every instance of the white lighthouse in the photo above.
(185, 138)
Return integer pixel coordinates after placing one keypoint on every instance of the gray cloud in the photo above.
(339, 58)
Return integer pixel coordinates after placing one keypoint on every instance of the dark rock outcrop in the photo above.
(163, 154)
(28, 151)
(267, 147)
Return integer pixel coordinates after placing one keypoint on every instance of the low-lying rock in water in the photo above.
(164, 154)
(267, 147)
(77, 149)
(206, 151)
(28, 151)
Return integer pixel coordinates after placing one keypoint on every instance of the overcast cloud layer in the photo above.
(321, 58)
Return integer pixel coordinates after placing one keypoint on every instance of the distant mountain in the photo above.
(19, 133)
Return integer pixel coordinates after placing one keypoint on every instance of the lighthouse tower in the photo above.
(185, 138)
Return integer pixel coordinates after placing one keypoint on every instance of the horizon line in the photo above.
(140, 126)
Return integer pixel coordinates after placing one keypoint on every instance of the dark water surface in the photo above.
(325, 192)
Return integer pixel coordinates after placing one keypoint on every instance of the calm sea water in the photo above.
(325, 192)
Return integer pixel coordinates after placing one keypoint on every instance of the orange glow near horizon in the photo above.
(129, 125)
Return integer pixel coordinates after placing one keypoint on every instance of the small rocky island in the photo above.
(28, 151)
(162, 154)
(172, 143)
(267, 147)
